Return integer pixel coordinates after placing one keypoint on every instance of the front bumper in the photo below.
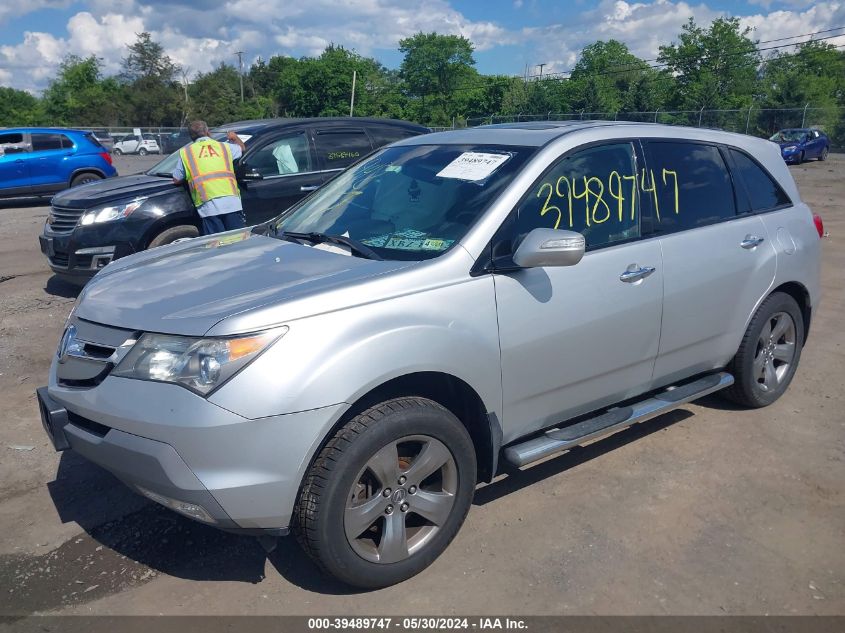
(164, 439)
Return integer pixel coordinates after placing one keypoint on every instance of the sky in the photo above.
(508, 35)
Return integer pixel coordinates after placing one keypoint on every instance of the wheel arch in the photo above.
(453, 393)
(85, 170)
(799, 292)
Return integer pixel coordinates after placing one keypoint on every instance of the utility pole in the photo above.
(352, 98)
(241, 73)
(540, 66)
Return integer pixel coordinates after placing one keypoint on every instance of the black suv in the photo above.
(285, 159)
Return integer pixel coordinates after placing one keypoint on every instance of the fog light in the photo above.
(182, 507)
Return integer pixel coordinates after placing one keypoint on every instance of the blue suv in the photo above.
(800, 144)
(42, 161)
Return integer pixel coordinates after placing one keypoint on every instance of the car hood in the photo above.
(110, 189)
(188, 287)
(791, 144)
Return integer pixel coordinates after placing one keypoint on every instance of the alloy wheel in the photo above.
(401, 499)
(775, 351)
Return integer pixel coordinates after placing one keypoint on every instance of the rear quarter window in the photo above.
(689, 185)
(762, 191)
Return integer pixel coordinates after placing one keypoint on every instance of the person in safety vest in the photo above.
(207, 166)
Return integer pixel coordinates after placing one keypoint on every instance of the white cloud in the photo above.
(199, 34)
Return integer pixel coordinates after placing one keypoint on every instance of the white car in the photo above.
(133, 144)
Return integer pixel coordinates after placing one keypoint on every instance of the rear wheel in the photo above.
(168, 236)
(81, 179)
(142, 151)
(769, 353)
(823, 156)
(117, 151)
(388, 493)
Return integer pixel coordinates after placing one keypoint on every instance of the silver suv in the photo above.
(451, 304)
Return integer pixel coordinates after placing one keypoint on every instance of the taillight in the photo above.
(106, 157)
(817, 220)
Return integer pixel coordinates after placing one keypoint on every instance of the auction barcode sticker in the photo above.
(473, 166)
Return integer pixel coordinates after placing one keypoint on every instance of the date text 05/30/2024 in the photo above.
(416, 623)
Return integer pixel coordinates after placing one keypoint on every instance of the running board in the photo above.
(613, 420)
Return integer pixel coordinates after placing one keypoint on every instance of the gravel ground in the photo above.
(705, 510)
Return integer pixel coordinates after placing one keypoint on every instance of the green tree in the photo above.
(714, 67)
(150, 77)
(435, 66)
(79, 95)
(18, 107)
(215, 97)
(813, 75)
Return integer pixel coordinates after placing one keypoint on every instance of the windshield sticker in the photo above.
(404, 244)
(408, 241)
(473, 166)
(229, 239)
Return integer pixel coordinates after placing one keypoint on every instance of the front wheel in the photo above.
(168, 236)
(388, 493)
(117, 151)
(769, 353)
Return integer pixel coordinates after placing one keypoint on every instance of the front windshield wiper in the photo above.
(160, 173)
(318, 238)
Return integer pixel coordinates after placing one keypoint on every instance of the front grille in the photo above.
(63, 219)
(91, 362)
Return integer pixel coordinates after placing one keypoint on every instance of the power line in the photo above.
(638, 66)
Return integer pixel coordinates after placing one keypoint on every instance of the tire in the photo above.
(349, 482)
(823, 155)
(117, 152)
(87, 177)
(168, 236)
(142, 152)
(769, 353)
(800, 158)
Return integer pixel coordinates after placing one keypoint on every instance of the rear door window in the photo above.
(689, 185)
(762, 191)
(42, 142)
(336, 149)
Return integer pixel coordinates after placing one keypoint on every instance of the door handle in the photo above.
(635, 274)
(309, 187)
(751, 241)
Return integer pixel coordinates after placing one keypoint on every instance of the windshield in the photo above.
(166, 166)
(409, 202)
(789, 136)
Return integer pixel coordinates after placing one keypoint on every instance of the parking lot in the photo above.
(709, 509)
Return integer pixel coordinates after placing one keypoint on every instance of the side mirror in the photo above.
(550, 247)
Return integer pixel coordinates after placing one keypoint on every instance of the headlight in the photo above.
(200, 364)
(107, 214)
(791, 148)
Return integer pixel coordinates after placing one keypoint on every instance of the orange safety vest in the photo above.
(208, 170)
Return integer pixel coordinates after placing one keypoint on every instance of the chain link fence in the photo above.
(756, 121)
